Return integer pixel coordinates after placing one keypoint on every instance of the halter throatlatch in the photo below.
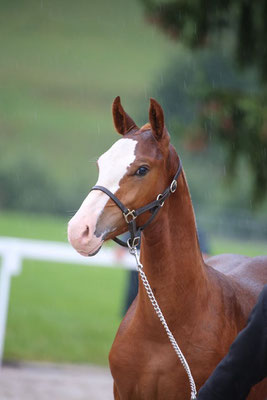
(131, 215)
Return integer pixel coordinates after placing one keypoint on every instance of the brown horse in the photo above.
(205, 304)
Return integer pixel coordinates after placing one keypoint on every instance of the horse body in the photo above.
(205, 305)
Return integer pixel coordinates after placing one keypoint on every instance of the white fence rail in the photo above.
(13, 251)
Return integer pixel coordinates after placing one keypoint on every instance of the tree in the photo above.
(238, 117)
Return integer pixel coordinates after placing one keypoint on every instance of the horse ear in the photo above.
(156, 119)
(122, 122)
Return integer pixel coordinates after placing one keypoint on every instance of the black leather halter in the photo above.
(131, 215)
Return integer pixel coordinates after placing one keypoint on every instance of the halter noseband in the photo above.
(131, 215)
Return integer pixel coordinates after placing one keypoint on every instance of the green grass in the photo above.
(235, 246)
(64, 313)
(33, 226)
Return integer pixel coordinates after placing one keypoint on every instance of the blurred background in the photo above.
(61, 66)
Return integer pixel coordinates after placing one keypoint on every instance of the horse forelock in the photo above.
(146, 127)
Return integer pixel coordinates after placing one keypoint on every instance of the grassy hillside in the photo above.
(62, 64)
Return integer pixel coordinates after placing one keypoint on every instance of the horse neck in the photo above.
(171, 255)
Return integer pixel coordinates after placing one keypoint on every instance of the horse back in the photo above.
(248, 274)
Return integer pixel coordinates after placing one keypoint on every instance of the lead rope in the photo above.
(140, 268)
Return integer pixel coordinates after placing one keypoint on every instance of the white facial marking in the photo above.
(112, 167)
(114, 163)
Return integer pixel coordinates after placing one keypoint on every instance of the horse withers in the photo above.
(204, 303)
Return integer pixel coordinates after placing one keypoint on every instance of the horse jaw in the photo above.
(83, 230)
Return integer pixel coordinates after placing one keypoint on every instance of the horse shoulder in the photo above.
(142, 368)
(123, 349)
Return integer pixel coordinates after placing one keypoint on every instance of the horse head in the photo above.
(136, 169)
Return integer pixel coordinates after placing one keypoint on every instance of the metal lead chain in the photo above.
(133, 251)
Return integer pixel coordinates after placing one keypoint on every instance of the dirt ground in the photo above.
(30, 381)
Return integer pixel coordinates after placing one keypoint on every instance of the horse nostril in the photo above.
(85, 233)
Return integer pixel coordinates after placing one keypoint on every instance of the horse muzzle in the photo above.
(82, 238)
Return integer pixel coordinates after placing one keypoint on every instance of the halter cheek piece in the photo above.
(131, 215)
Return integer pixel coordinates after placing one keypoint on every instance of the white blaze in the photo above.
(114, 163)
(112, 167)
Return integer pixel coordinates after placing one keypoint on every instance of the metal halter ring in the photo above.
(133, 243)
(173, 186)
(130, 216)
(158, 198)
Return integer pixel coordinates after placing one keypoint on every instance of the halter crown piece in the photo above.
(132, 243)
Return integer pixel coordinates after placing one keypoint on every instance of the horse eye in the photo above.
(142, 171)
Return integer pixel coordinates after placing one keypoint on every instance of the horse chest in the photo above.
(145, 368)
(144, 371)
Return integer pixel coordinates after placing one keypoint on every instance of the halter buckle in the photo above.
(130, 216)
(173, 186)
(158, 198)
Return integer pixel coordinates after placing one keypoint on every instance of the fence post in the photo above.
(11, 265)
